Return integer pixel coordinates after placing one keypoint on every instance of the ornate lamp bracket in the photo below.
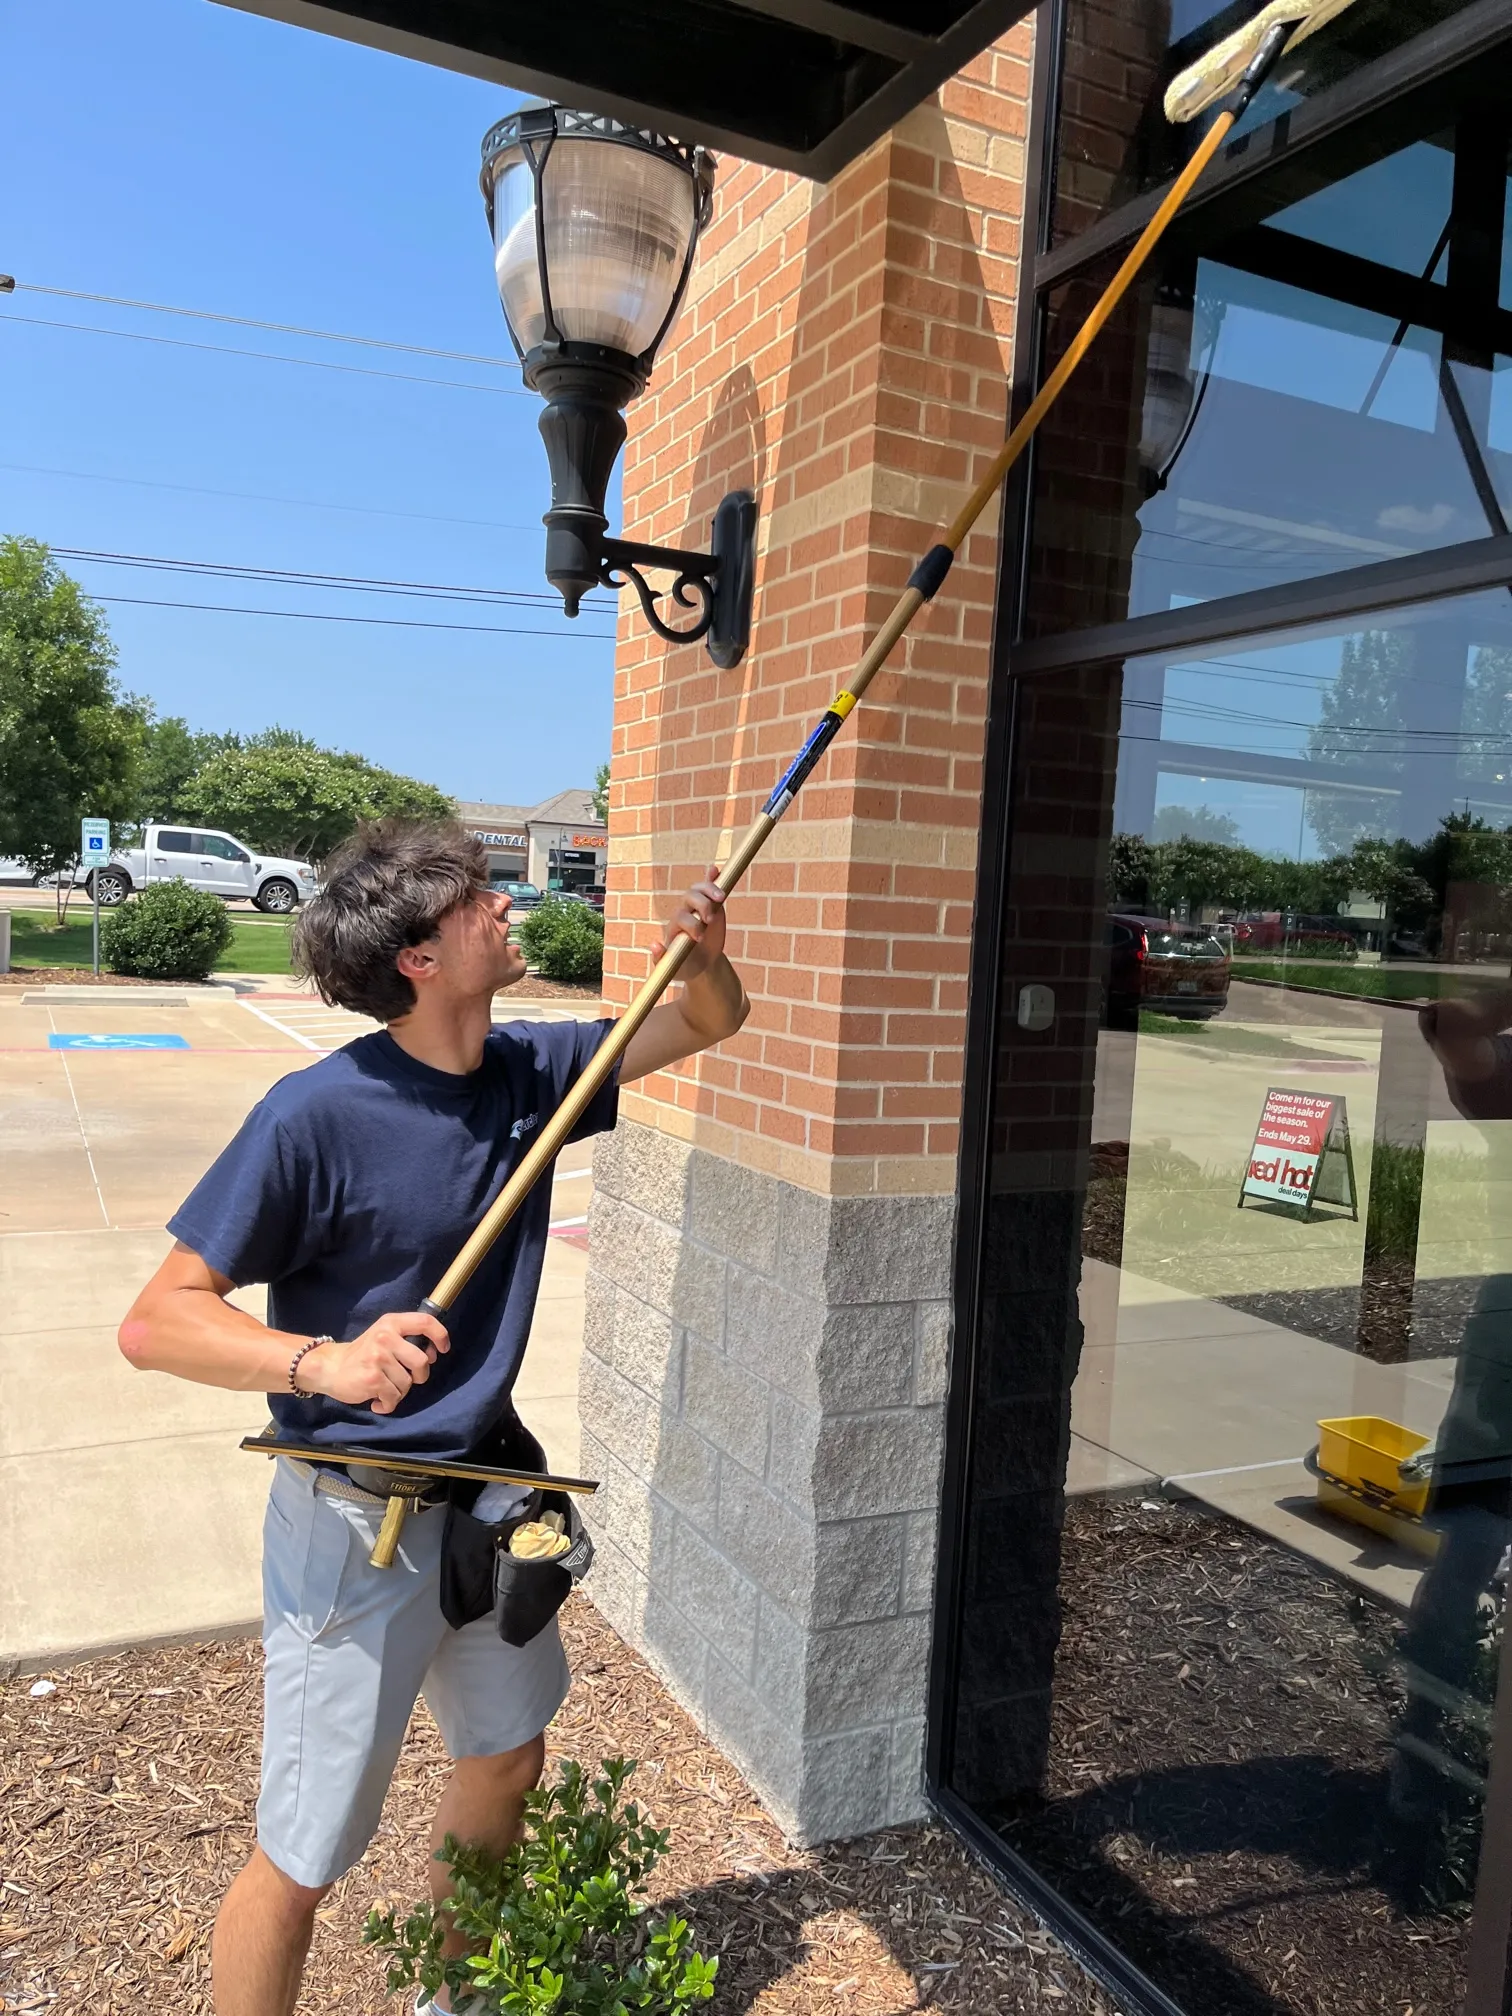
(717, 584)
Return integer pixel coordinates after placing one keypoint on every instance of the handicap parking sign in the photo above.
(94, 839)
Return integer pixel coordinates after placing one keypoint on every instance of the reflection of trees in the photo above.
(1194, 822)
(1360, 728)
(1486, 722)
(1453, 890)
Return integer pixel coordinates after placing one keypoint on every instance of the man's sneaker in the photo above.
(425, 2007)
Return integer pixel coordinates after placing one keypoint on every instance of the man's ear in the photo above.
(418, 963)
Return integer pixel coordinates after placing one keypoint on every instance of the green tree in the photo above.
(282, 792)
(1360, 727)
(601, 793)
(1202, 871)
(172, 755)
(1194, 822)
(1487, 713)
(70, 740)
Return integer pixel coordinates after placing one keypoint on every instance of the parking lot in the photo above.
(127, 1512)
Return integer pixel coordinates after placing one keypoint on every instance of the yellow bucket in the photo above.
(1363, 1452)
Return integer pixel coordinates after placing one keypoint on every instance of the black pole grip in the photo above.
(929, 576)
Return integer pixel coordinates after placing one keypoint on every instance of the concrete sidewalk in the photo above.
(127, 1512)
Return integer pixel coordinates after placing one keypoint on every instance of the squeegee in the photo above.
(1235, 69)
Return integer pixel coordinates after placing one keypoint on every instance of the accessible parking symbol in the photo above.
(117, 1042)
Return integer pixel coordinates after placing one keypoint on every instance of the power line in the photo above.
(379, 622)
(365, 584)
(262, 497)
(275, 328)
(270, 356)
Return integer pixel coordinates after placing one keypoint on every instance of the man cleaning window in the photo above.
(348, 1191)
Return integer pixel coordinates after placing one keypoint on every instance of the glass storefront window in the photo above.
(1112, 140)
(1237, 1509)
(1315, 392)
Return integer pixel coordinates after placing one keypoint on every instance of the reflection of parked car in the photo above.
(1294, 936)
(1169, 969)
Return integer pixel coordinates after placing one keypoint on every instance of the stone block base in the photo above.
(762, 1394)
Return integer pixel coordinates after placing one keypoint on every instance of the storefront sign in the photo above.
(1301, 1153)
(590, 839)
(498, 839)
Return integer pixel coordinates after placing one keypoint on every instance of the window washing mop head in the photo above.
(1213, 76)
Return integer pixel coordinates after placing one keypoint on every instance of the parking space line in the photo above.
(281, 1027)
(62, 1057)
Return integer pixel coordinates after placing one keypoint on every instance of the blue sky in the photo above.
(182, 152)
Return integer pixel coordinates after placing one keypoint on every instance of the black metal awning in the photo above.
(801, 84)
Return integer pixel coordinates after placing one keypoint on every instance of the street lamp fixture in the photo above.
(595, 226)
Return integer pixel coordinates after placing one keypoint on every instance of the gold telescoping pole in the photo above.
(923, 584)
(1243, 61)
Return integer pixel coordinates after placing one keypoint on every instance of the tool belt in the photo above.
(478, 1572)
(336, 1481)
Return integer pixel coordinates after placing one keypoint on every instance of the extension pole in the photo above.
(923, 584)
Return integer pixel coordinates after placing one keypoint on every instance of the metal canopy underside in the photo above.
(800, 84)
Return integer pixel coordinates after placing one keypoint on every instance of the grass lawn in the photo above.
(256, 947)
(1229, 1040)
(1371, 983)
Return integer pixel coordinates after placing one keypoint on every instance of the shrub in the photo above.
(170, 932)
(555, 1926)
(564, 940)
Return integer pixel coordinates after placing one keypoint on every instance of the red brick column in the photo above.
(770, 1247)
(844, 352)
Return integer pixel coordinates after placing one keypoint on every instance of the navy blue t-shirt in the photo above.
(350, 1190)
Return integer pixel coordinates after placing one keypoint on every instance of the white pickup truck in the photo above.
(208, 860)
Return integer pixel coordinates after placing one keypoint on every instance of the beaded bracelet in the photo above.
(294, 1364)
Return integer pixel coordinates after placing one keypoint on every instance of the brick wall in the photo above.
(844, 351)
(770, 1244)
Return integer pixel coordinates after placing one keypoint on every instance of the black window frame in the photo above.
(1354, 105)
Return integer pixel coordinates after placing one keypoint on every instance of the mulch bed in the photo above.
(126, 1806)
(534, 988)
(77, 976)
(1217, 1790)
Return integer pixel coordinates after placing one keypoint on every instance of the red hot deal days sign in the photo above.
(1289, 1143)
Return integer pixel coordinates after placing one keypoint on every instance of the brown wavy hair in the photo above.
(389, 886)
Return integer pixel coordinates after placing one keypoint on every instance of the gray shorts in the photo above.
(348, 1650)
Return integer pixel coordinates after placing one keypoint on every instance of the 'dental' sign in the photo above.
(1301, 1153)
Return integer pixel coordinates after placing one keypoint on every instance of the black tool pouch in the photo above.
(528, 1594)
(468, 1545)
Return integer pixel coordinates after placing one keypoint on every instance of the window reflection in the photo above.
(1112, 142)
(1325, 389)
(1244, 1395)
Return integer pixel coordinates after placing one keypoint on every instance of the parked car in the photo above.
(522, 895)
(1295, 936)
(1169, 969)
(16, 874)
(208, 860)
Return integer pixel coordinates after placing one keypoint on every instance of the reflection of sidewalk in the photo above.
(127, 1513)
(1173, 1386)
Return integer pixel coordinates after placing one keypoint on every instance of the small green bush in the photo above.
(170, 932)
(556, 1925)
(565, 941)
